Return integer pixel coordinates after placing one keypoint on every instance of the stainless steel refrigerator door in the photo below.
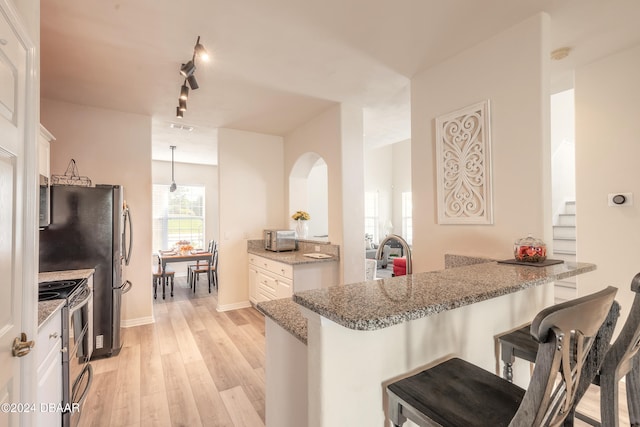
(117, 315)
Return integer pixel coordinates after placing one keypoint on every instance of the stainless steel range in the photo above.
(77, 341)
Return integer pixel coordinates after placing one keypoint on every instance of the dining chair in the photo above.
(210, 268)
(616, 361)
(456, 393)
(162, 278)
(198, 263)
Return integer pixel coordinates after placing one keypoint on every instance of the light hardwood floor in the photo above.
(193, 367)
(197, 367)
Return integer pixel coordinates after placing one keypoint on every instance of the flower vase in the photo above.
(302, 229)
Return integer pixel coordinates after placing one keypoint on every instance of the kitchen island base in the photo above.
(348, 370)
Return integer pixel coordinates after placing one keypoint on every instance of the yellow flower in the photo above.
(301, 215)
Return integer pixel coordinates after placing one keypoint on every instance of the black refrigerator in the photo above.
(91, 228)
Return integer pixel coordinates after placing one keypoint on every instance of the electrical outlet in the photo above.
(99, 341)
(620, 199)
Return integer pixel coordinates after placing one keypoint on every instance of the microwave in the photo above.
(280, 240)
(43, 203)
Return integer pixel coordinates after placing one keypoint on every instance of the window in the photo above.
(371, 215)
(407, 217)
(178, 216)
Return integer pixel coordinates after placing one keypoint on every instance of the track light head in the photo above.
(188, 69)
(182, 105)
(193, 83)
(179, 113)
(201, 52)
(184, 91)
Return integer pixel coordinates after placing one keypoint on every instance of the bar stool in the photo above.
(610, 364)
(162, 279)
(456, 393)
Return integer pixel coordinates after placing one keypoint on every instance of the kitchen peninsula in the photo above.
(361, 336)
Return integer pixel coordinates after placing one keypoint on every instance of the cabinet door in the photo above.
(50, 388)
(253, 284)
(285, 288)
(49, 359)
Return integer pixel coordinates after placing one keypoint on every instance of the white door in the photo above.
(14, 199)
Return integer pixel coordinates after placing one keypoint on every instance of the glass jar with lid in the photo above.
(530, 249)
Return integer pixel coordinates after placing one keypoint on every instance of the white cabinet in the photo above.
(44, 151)
(49, 360)
(269, 279)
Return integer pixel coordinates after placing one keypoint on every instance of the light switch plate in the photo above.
(620, 199)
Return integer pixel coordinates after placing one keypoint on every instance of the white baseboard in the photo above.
(137, 322)
(234, 306)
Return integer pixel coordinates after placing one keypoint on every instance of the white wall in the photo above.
(378, 177)
(401, 157)
(251, 184)
(336, 135)
(511, 70)
(563, 150)
(318, 200)
(111, 147)
(607, 153)
(388, 171)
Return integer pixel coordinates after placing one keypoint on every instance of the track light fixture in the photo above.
(200, 51)
(184, 91)
(193, 83)
(187, 70)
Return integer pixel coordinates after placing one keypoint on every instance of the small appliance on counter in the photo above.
(280, 240)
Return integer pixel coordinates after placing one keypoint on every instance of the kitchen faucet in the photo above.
(403, 243)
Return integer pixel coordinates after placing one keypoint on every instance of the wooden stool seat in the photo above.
(162, 278)
(456, 393)
(610, 362)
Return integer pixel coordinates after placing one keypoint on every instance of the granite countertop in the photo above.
(48, 308)
(382, 303)
(291, 257)
(49, 276)
(286, 313)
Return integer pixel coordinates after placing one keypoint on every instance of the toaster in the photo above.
(280, 240)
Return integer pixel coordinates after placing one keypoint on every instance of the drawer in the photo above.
(280, 269)
(268, 283)
(275, 267)
(49, 336)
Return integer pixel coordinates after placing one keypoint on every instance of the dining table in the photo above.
(169, 256)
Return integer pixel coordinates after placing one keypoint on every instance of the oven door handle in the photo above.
(88, 370)
(86, 296)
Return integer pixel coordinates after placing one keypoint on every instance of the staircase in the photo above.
(564, 248)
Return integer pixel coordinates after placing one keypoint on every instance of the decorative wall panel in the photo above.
(463, 150)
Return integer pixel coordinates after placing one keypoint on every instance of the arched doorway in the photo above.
(309, 191)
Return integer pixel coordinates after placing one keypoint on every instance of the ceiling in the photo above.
(276, 64)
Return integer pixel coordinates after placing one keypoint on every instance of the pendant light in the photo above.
(173, 181)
